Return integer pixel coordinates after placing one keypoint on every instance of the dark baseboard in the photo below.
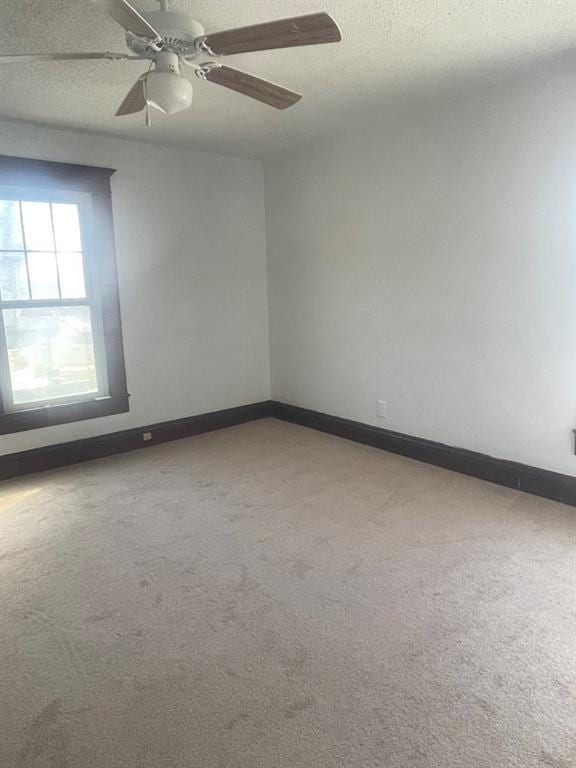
(540, 482)
(52, 456)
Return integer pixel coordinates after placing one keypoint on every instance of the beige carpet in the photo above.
(271, 597)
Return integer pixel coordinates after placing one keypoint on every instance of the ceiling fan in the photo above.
(170, 39)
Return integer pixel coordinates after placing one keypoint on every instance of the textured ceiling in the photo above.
(390, 47)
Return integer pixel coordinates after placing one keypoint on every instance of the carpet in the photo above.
(267, 596)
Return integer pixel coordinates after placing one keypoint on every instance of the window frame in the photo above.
(90, 300)
(55, 182)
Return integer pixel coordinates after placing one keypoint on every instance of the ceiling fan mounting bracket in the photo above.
(178, 33)
(205, 68)
(141, 45)
(202, 46)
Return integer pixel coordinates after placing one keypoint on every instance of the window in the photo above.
(61, 356)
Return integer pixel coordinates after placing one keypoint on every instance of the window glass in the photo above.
(66, 227)
(13, 276)
(37, 220)
(10, 226)
(43, 275)
(71, 273)
(50, 352)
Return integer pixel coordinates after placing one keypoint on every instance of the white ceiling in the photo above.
(389, 47)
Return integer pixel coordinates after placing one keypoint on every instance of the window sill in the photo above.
(48, 416)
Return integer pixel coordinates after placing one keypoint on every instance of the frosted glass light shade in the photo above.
(168, 92)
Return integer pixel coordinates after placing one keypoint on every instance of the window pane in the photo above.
(13, 277)
(43, 275)
(71, 274)
(10, 226)
(51, 353)
(37, 226)
(66, 227)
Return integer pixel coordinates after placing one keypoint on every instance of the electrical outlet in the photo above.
(382, 409)
(146, 436)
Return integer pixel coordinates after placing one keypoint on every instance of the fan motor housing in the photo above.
(177, 29)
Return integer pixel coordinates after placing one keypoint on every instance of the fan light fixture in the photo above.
(169, 39)
(168, 92)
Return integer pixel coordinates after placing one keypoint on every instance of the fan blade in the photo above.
(134, 101)
(254, 87)
(313, 29)
(12, 58)
(129, 18)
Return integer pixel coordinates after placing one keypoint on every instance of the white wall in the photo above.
(190, 246)
(429, 260)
